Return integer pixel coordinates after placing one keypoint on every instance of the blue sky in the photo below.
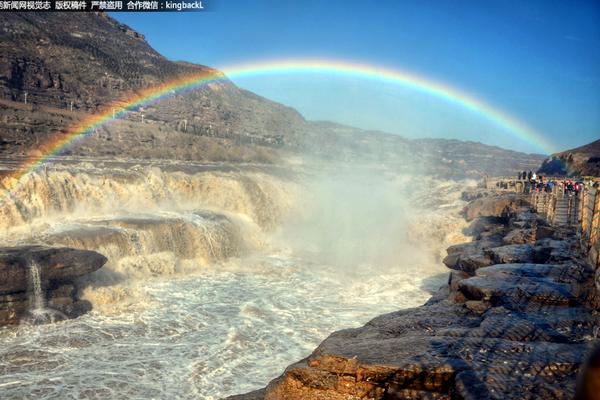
(539, 61)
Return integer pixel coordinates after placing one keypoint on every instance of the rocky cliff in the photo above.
(57, 69)
(581, 161)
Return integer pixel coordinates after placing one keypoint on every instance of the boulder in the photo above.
(527, 285)
(484, 224)
(494, 206)
(57, 268)
(555, 251)
(519, 236)
(468, 263)
(473, 262)
(512, 253)
(55, 265)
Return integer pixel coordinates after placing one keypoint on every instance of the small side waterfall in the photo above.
(37, 297)
(39, 313)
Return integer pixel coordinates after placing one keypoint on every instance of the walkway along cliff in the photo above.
(516, 320)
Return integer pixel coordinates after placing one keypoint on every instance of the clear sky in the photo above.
(539, 61)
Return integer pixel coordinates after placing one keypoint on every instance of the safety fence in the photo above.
(581, 211)
(589, 222)
(562, 208)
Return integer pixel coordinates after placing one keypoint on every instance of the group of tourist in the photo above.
(568, 187)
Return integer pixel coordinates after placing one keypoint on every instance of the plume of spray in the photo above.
(358, 221)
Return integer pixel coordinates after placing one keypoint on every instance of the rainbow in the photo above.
(118, 109)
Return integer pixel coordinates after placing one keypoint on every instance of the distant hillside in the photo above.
(582, 161)
(57, 69)
(90, 59)
(443, 157)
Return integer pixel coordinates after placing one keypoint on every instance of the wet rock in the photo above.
(57, 267)
(468, 263)
(473, 262)
(55, 264)
(455, 277)
(470, 256)
(365, 363)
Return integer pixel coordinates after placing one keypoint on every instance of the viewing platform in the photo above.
(561, 208)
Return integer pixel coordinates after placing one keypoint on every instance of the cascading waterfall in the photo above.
(211, 287)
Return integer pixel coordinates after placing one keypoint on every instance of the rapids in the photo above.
(218, 279)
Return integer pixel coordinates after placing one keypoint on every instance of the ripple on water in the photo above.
(220, 332)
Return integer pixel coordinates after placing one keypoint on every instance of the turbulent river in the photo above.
(217, 279)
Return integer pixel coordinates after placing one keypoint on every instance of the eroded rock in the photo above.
(512, 253)
(493, 206)
(56, 264)
(57, 268)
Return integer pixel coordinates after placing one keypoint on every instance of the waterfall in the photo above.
(37, 299)
(39, 313)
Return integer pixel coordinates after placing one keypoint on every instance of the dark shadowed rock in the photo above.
(555, 251)
(55, 264)
(484, 224)
(472, 262)
(57, 268)
(513, 253)
(519, 236)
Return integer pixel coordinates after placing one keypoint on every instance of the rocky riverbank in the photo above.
(515, 321)
(49, 270)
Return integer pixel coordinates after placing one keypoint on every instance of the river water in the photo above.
(201, 321)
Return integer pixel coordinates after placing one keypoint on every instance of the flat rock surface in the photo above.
(512, 253)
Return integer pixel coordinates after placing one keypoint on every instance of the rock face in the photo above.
(56, 267)
(494, 206)
(583, 161)
(515, 322)
(71, 67)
